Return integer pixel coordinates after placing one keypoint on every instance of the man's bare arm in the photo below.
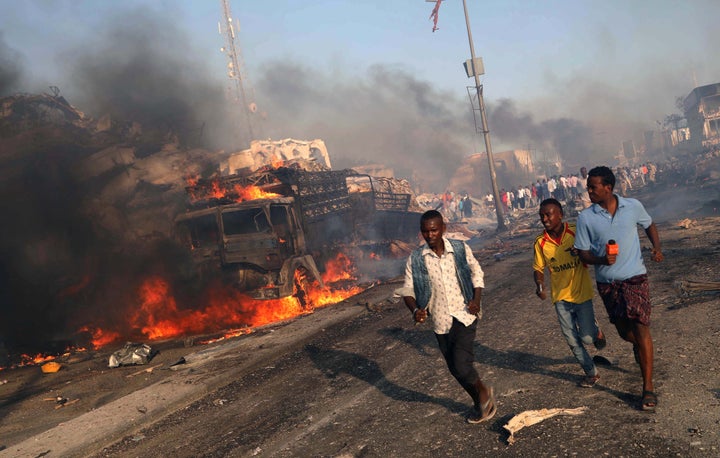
(587, 257)
(652, 234)
(540, 284)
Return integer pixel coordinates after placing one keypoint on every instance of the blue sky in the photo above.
(615, 67)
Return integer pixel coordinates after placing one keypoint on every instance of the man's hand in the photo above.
(657, 255)
(610, 259)
(420, 315)
(540, 292)
(473, 308)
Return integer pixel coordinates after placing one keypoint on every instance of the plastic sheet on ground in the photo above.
(531, 417)
(131, 354)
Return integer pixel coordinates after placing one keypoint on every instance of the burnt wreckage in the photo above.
(269, 246)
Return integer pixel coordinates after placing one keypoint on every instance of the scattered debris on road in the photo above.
(51, 367)
(531, 417)
(687, 288)
(147, 370)
(687, 223)
(132, 354)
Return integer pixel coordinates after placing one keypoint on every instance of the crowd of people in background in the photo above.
(569, 189)
(453, 206)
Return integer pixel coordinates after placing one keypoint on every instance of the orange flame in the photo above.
(158, 311)
(100, 337)
(158, 316)
(320, 297)
(37, 359)
(252, 193)
(216, 189)
(340, 268)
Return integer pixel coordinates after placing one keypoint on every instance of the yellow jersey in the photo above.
(569, 277)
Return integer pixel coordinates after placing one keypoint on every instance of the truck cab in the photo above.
(256, 245)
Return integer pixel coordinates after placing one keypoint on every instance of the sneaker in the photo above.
(600, 341)
(589, 381)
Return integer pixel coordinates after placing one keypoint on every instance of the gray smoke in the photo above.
(389, 117)
(385, 116)
(571, 139)
(144, 69)
(10, 68)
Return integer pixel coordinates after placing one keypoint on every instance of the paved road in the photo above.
(361, 380)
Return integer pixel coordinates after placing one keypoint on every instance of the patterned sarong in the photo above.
(628, 299)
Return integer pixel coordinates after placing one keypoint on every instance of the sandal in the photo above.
(649, 401)
(589, 381)
(600, 341)
(487, 410)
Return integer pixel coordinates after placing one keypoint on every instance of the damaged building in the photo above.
(511, 168)
(702, 112)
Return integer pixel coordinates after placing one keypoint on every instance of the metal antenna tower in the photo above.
(235, 66)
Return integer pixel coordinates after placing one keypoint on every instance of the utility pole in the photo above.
(475, 68)
(235, 69)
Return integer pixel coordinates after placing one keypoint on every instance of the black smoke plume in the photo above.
(145, 69)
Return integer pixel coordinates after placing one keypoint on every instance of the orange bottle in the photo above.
(612, 247)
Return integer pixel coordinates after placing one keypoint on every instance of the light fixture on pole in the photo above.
(474, 68)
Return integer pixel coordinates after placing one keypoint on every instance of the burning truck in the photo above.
(266, 232)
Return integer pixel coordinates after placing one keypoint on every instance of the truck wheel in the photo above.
(301, 288)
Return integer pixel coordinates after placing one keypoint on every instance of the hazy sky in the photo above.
(366, 70)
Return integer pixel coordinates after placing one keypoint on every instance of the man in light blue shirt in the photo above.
(621, 278)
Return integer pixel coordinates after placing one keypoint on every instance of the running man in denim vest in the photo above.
(621, 278)
(571, 287)
(444, 281)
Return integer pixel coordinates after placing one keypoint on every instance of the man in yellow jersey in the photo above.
(571, 286)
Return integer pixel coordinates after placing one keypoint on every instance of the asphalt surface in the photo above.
(172, 388)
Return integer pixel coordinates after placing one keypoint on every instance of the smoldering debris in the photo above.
(84, 191)
(132, 354)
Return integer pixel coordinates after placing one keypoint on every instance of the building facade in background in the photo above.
(702, 112)
(512, 168)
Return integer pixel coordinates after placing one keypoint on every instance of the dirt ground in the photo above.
(358, 379)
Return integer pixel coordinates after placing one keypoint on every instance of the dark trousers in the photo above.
(457, 349)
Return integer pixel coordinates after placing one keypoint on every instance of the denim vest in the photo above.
(421, 280)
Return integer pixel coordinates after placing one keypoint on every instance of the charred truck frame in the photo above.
(269, 246)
